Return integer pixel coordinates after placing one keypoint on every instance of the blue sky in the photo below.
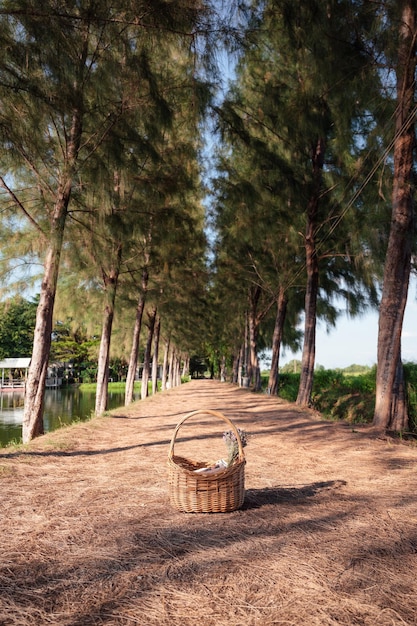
(355, 340)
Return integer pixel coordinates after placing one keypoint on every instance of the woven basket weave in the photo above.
(220, 492)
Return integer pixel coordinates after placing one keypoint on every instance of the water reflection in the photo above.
(62, 406)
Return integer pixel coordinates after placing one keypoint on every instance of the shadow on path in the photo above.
(256, 498)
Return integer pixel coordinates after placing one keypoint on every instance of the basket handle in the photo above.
(215, 414)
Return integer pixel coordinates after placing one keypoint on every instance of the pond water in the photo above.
(62, 406)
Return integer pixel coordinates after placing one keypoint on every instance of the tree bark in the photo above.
(157, 333)
(177, 370)
(245, 369)
(110, 284)
(36, 379)
(171, 368)
(254, 359)
(185, 366)
(134, 353)
(254, 320)
(237, 367)
(165, 365)
(312, 286)
(242, 358)
(147, 357)
(390, 404)
(282, 302)
(223, 369)
(399, 409)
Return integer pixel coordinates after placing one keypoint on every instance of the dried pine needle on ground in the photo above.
(327, 534)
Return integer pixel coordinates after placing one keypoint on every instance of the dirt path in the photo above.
(327, 534)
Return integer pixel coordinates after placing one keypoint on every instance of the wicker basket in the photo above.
(220, 492)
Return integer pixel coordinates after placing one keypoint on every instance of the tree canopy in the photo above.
(109, 197)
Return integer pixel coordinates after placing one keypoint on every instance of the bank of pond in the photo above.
(63, 406)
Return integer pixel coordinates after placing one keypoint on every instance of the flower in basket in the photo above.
(229, 437)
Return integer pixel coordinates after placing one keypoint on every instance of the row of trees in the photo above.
(74, 353)
(100, 107)
(314, 199)
(101, 122)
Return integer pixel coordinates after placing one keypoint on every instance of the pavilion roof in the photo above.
(14, 363)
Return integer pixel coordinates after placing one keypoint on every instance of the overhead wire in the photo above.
(358, 192)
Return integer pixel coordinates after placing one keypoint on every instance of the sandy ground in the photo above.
(327, 534)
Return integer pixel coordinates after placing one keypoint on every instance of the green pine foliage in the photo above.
(17, 323)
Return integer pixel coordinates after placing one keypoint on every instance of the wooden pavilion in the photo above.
(14, 373)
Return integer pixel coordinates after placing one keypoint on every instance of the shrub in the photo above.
(340, 395)
(410, 375)
(288, 386)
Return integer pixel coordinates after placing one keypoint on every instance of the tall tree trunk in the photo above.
(157, 333)
(282, 302)
(254, 359)
(186, 366)
(254, 320)
(36, 379)
(177, 370)
(309, 345)
(398, 258)
(312, 286)
(241, 371)
(165, 365)
(399, 409)
(134, 353)
(245, 361)
(110, 283)
(171, 368)
(237, 368)
(223, 369)
(148, 352)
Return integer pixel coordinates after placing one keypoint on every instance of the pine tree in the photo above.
(297, 120)
(390, 406)
(60, 68)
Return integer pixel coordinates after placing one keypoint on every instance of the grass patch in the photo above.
(116, 387)
(347, 395)
(121, 386)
